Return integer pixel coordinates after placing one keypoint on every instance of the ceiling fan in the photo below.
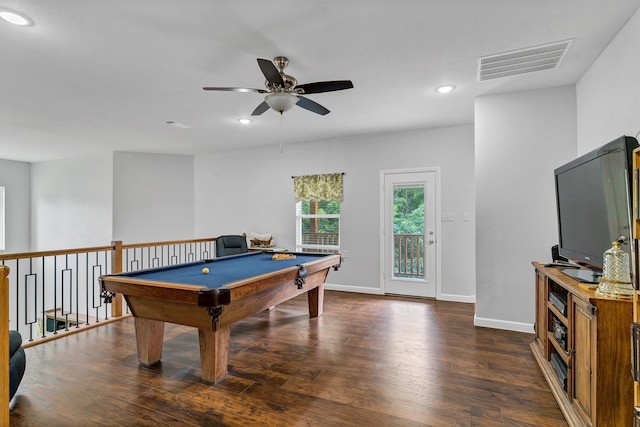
(283, 91)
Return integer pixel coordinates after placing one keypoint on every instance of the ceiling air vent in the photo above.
(538, 58)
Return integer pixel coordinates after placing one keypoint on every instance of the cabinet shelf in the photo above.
(561, 351)
(561, 317)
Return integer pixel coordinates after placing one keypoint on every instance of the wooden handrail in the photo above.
(169, 242)
(4, 348)
(25, 255)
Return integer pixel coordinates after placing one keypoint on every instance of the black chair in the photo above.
(17, 362)
(231, 245)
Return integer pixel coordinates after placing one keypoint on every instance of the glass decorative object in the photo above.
(616, 277)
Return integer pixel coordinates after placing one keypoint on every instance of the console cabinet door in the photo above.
(583, 357)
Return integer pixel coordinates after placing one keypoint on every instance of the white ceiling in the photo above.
(93, 76)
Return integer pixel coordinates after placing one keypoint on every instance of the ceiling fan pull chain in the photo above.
(281, 132)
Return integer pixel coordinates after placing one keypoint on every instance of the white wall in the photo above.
(153, 197)
(16, 178)
(252, 190)
(71, 202)
(609, 92)
(520, 139)
(132, 197)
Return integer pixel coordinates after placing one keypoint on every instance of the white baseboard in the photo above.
(378, 291)
(360, 289)
(457, 298)
(504, 324)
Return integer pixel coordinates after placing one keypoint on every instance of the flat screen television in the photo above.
(593, 199)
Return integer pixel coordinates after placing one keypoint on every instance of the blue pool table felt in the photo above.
(221, 270)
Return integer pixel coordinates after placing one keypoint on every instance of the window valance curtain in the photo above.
(315, 188)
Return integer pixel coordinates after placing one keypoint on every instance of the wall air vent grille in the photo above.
(538, 58)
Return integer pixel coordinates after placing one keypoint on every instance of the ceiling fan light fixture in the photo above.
(245, 121)
(281, 101)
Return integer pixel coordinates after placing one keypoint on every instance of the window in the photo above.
(318, 226)
(318, 199)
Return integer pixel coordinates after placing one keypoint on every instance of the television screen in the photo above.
(593, 195)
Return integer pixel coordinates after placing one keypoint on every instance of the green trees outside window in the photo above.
(408, 231)
(318, 226)
(408, 210)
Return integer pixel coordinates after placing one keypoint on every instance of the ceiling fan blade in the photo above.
(235, 89)
(260, 109)
(319, 87)
(310, 105)
(270, 72)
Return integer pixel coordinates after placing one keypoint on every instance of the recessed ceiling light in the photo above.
(245, 121)
(445, 88)
(16, 18)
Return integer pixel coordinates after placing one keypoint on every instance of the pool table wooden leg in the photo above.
(214, 353)
(149, 337)
(315, 297)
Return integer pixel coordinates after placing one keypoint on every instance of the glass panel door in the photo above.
(410, 244)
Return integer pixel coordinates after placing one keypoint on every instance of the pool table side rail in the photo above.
(243, 287)
(152, 289)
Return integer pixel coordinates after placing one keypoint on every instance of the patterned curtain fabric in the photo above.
(316, 188)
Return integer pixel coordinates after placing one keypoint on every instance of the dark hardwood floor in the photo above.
(368, 361)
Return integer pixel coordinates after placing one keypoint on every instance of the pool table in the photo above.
(236, 287)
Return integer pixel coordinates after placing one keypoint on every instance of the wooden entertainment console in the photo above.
(590, 339)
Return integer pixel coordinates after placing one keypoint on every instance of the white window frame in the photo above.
(299, 217)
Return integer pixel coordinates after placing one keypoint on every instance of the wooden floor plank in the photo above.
(368, 360)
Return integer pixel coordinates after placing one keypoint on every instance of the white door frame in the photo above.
(437, 225)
